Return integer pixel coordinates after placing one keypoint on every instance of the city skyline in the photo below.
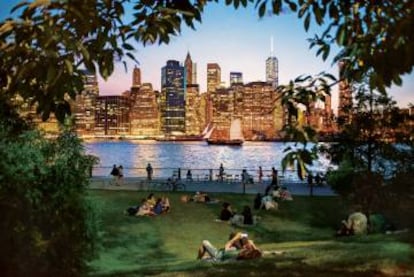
(243, 45)
(238, 41)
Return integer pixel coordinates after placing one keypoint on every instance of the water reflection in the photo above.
(196, 155)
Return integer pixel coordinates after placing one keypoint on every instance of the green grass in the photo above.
(304, 228)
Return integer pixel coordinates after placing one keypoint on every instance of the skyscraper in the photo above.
(173, 98)
(84, 107)
(272, 70)
(190, 70)
(213, 82)
(136, 77)
(213, 76)
(236, 78)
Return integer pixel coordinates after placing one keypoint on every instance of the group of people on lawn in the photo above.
(150, 206)
(239, 246)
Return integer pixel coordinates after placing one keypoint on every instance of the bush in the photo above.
(48, 226)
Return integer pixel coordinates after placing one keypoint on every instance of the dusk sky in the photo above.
(238, 41)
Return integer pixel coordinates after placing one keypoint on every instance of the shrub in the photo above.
(48, 226)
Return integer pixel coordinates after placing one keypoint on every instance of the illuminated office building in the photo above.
(272, 74)
(193, 117)
(236, 78)
(213, 82)
(213, 76)
(112, 115)
(84, 106)
(262, 111)
(258, 106)
(173, 98)
(144, 113)
(190, 70)
(223, 112)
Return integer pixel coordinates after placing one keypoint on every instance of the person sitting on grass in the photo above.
(161, 206)
(283, 194)
(226, 212)
(165, 204)
(356, 224)
(239, 247)
(268, 203)
(144, 209)
(257, 202)
(151, 200)
(245, 218)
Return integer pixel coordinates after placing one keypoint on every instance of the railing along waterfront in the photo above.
(203, 174)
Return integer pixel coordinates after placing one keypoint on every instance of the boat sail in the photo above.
(235, 135)
(209, 130)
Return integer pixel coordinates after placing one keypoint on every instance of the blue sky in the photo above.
(238, 41)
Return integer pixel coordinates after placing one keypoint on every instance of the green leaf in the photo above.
(262, 9)
(51, 73)
(341, 35)
(317, 12)
(307, 22)
(69, 66)
(293, 7)
(333, 11)
(325, 54)
(276, 5)
(128, 46)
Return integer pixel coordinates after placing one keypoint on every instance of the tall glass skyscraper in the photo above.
(272, 72)
(272, 68)
(173, 98)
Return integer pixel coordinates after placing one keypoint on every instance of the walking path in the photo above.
(136, 183)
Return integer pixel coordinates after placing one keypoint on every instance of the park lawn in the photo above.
(304, 229)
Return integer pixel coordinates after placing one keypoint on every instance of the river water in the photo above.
(167, 157)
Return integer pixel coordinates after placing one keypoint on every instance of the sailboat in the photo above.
(235, 135)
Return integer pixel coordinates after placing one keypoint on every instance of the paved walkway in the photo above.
(135, 183)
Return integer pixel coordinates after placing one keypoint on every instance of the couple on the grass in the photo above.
(239, 247)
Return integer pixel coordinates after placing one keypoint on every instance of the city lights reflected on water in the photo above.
(165, 157)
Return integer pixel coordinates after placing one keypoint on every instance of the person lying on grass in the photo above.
(162, 205)
(144, 208)
(199, 197)
(239, 247)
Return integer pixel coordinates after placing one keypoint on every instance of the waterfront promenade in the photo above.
(141, 184)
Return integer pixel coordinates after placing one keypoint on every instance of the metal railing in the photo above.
(201, 174)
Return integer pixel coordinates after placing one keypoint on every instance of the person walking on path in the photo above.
(149, 172)
(260, 175)
(120, 175)
(274, 178)
(221, 173)
(114, 173)
(310, 183)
